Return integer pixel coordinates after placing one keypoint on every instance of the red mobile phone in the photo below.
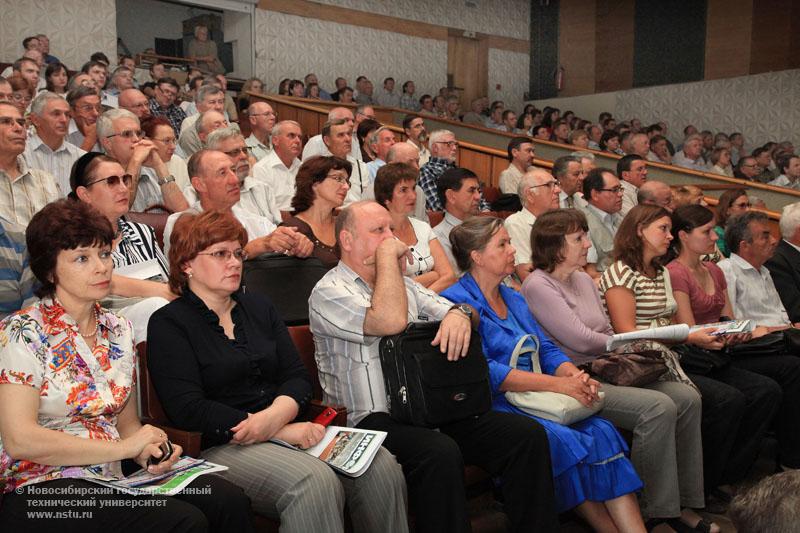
(325, 417)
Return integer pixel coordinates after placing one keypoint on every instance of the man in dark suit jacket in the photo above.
(784, 266)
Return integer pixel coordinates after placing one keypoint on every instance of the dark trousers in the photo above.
(785, 370)
(511, 446)
(220, 506)
(738, 407)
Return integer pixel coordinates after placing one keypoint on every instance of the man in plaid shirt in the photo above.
(163, 103)
(444, 148)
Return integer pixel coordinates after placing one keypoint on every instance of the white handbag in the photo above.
(561, 408)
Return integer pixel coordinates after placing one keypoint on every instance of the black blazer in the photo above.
(784, 267)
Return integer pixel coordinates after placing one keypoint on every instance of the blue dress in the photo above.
(589, 457)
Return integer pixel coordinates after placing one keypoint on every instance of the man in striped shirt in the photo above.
(16, 279)
(47, 148)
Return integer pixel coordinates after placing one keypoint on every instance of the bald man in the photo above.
(656, 193)
(262, 119)
(538, 190)
(315, 145)
(134, 101)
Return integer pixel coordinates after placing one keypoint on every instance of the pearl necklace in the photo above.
(96, 325)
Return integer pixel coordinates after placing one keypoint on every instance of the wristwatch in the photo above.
(464, 309)
(168, 179)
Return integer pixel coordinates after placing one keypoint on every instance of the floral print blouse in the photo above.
(81, 391)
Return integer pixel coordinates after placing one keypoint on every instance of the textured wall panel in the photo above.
(508, 18)
(290, 47)
(76, 28)
(510, 70)
(763, 106)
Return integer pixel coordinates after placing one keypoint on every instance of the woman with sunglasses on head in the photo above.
(100, 181)
(223, 363)
(731, 203)
(68, 401)
(321, 187)
(159, 130)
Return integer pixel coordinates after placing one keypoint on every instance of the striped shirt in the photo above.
(653, 307)
(16, 279)
(58, 163)
(348, 361)
(138, 244)
(148, 191)
(23, 196)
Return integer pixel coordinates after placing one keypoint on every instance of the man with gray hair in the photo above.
(444, 151)
(379, 142)
(279, 168)
(47, 148)
(316, 146)
(656, 193)
(262, 119)
(254, 195)
(538, 190)
(84, 103)
(568, 170)
(121, 136)
(691, 156)
(24, 190)
(136, 102)
(208, 98)
(784, 265)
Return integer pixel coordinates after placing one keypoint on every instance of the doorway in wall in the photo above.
(467, 67)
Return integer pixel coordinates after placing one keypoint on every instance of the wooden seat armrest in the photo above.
(190, 441)
(316, 407)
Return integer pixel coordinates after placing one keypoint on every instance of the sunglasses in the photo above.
(113, 181)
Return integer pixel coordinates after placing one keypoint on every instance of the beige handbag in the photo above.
(554, 406)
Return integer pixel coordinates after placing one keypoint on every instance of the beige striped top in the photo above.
(653, 307)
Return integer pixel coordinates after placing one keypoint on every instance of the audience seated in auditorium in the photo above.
(632, 172)
(763, 157)
(366, 294)
(121, 136)
(600, 486)
(364, 94)
(560, 132)
(738, 405)
(495, 118)
(316, 146)
(159, 130)
(407, 99)
(693, 282)
(417, 135)
(61, 424)
(98, 72)
(568, 170)
(387, 96)
(520, 154)
(720, 161)
(311, 79)
(56, 79)
(25, 190)
(667, 447)
(659, 145)
(407, 153)
(732, 202)
(18, 283)
(47, 148)
(784, 265)
(208, 383)
(27, 67)
(136, 102)
(218, 188)
(395, 190)
(261, 118)
(538, 191)
(475, 115)
(337, 139)
(121, 79)
(279, 168)
(788, 167)
(603, 193)
(691, 156)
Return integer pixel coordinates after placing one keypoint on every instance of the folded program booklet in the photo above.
(677, 332)
(347, 450)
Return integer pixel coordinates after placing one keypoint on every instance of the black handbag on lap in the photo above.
(699, 360)
(423, 388)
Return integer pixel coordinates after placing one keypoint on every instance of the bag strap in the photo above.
(520, 349)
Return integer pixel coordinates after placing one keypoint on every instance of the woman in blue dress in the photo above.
(591, 470)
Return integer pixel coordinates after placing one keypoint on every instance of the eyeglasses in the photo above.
(128, 134)
(371, 117)
(88, 107)
(748, 204)
(19, 97)
(171, 140)
(236, 151)
(614, 190)
(113, 181)
(549, 184)
(268, 114)
(9, 121)
(225, 255)
(341, 180)
(450, 144)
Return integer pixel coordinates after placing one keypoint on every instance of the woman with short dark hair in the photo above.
(321, 187)
(591, 471)
(68, 401)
